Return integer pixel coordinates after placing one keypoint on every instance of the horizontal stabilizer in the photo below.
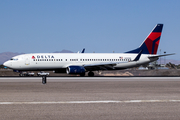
(157, 56)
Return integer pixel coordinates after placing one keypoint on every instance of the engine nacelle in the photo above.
(75, 70)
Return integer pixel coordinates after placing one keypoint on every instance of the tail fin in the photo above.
(151, 43)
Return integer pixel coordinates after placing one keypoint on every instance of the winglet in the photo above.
(83, 50)
(138, 56)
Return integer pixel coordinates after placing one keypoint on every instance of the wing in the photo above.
(109, 65)
(102, 66)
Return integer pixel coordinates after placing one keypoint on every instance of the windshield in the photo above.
(15, 59)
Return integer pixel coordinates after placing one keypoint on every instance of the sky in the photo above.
(100, 26)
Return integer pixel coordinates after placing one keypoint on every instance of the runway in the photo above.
(90, 98)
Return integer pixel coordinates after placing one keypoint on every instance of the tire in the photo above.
(91, 74)
(82, 74)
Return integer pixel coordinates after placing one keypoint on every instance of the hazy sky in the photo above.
(32, 26)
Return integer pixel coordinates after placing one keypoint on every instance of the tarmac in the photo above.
(127, 72)
(90, 98)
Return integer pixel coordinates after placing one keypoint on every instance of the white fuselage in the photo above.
(79, 63)
(52, 61)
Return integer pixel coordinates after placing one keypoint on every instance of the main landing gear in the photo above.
(90, 74)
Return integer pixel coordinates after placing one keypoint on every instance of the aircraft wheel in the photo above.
(90, 74)
(82, 74)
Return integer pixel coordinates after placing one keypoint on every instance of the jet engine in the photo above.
(75, 70)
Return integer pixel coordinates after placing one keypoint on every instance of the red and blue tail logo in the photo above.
(151, 43)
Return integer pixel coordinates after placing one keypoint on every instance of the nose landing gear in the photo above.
(44, 79)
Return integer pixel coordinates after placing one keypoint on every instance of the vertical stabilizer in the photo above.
(151, 43)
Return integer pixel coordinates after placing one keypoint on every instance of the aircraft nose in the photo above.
(7, 64)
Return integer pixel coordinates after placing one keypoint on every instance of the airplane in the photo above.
(75, 63)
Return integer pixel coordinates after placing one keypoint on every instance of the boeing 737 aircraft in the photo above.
(78, 63)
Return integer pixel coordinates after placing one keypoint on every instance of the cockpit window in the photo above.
(14, 59)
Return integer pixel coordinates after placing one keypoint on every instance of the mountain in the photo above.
(8, 55)
(63, 51)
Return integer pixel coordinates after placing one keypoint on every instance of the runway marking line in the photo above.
(89, 102)
(80, 78)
